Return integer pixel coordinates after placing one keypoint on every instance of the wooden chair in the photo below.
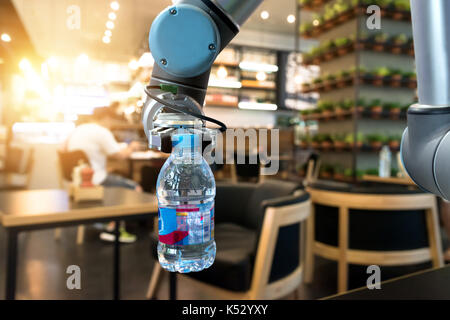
(405, 208)
(68, 160)
(273, 246)
(18, 161)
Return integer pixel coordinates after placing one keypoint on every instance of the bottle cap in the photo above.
(186, 140)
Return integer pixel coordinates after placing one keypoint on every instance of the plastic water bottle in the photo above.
(186, 189)
(385, 162)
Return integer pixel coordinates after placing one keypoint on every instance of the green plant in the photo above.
(409, 75)
(381, 37)
(344, 74)
(361, 102)
(383, 72)
(348, 173)
(392, 106)
(338, 137)
(375, 103)
(330, 77)
(383, 3)
(394, 172)
(375, 137)
(360, 138)
(346, 104)
(342, 42)
(403, 5)
(394, 138)
(305, 27)
(318, 80)
(372, 172)
(325, 105)
(339, 169)
(400, 39)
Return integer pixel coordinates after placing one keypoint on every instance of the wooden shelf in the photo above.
(347, 148)
(329, 85)
(391, 180)
(351, 14)
(255, 84)
(360, 46)
(314, 5)
(348, 114)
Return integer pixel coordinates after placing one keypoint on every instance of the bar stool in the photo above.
(407, 220)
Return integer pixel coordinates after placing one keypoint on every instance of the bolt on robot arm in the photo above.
(185, 39)
(426, 142)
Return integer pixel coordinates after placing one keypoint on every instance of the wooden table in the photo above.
(431, 284)
(392, 180)
(47, 209)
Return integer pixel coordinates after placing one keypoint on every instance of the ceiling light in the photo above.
(291, 18)
(316, 22)
(133, 65)
(108, 33)
(265, 15)
(110, 25)
(24, 64)
(257, 106)
(261, 76)
(82, 59)
(112, 16)
(254, 66)
(222, 72)
(298, 79)
(106, 39)
(6, 37)
(115, 5)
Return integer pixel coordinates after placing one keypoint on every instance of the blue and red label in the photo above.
(187, 224)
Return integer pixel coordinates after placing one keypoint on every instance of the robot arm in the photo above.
(185, 39)
(426, 142)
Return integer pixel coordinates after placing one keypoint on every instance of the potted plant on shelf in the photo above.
(305, 141)
(396, 78)
(327, 108)
(399, 43)
(339, 172)
(305, 114)
(380, 40)
(375, 141)
(315, 142)
(351, 142)
(376, 108)
(372, 172)
(348, 174)
(343, 107)
(318, 82)
(339, 141)
(361, 105)
(326, 171)
(410, 78)
(343, 45)
(327, 142)
(382, 75)
(330, 81)
(328, 49)
(395, 109)
(402, 9)
(306, 28)
(394, 142)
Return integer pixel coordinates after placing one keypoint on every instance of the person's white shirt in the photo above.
(97, 143)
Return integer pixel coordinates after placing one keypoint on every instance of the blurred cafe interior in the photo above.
(78, 180)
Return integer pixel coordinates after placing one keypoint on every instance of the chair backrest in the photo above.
(281, 249)
(19, 160)
(69, 160)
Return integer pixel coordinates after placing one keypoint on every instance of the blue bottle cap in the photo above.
(186, 140)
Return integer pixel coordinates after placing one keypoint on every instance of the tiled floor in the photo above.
(43, 262)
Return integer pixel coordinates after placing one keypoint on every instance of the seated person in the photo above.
(98, 143)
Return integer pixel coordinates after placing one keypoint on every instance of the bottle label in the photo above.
(187, 224)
